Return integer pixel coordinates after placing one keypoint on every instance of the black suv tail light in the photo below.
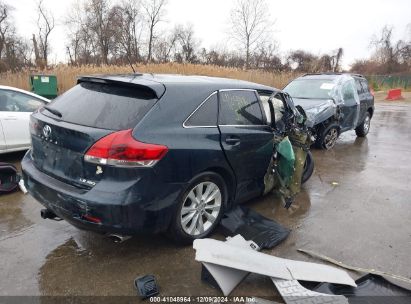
(122, 150)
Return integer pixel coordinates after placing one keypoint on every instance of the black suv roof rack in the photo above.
(334, 73)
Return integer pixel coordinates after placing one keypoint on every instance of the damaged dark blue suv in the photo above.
(149, 153)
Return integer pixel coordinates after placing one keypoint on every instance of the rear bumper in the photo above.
(139, 209)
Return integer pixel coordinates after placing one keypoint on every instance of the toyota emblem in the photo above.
(46, 131)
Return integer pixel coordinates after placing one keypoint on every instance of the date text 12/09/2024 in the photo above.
(201, 299)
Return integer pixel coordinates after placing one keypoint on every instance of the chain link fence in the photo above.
(384, 82)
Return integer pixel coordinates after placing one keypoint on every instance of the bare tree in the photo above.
(45, 25)
(267, 58)
(154, 11)
(82, 42)
(128, 24)
(301, 60)
(164, 46)
(100, 15)
(14, 51)
(187, 43)
(4, 25)
(250, 24)
(391, 55)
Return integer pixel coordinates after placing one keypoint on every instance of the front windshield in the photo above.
(310, 88)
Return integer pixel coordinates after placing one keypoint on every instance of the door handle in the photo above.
(10, 118)
(232, 140)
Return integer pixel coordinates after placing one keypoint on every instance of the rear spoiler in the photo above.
(138, 81)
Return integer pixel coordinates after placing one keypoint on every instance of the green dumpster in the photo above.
(44, 85)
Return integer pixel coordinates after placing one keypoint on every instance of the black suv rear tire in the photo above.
(363, 129)
(176, 230)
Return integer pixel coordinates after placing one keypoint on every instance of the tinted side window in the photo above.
(206, 114)
(240, 108)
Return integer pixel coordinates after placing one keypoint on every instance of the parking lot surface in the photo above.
(355, 208)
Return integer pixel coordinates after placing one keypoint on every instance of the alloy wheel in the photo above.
(331, 138)
(201, 208)
(367, 123)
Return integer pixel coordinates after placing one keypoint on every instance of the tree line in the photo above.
(129, 32)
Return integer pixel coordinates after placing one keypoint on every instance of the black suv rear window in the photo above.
(103, 106)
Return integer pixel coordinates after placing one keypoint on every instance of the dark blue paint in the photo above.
(134, 200)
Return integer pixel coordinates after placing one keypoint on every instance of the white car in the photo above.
(15, 108)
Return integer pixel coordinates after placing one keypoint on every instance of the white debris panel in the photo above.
(238, 257)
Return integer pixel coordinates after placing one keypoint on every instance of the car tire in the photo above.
(308, 167)
(199, 217)
(363, 129)
(328, 136)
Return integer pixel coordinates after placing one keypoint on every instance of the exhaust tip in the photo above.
(47, 214)
(116, 238)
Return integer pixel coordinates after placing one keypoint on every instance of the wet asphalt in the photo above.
(355, 208)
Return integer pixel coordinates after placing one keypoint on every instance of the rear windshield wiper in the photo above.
(54, 111)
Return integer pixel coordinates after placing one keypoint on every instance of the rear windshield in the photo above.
(103, 106)
(310, 88)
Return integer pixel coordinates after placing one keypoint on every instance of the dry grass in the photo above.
(66, 75)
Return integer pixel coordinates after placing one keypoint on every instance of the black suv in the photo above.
(334, 103)
(148, 153)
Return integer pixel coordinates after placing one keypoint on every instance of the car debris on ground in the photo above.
(266, 233)
(373, 288)
(9, 178)
(226, 264)
(358, 269)
(146, 286)
(235, 259)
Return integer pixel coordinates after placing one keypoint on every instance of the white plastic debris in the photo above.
(22, 186)
(241, 258)
(292, 292)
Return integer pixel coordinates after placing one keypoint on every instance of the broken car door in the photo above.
(362, 94)
(351, 105)
(246, 140)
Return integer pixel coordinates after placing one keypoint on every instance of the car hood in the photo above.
(317, 110)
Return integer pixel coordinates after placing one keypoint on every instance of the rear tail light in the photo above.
(122, 150)
(92, 219)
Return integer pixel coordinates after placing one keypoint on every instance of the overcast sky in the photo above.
(314, 25)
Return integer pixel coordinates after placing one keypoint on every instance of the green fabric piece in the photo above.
(286, 160)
